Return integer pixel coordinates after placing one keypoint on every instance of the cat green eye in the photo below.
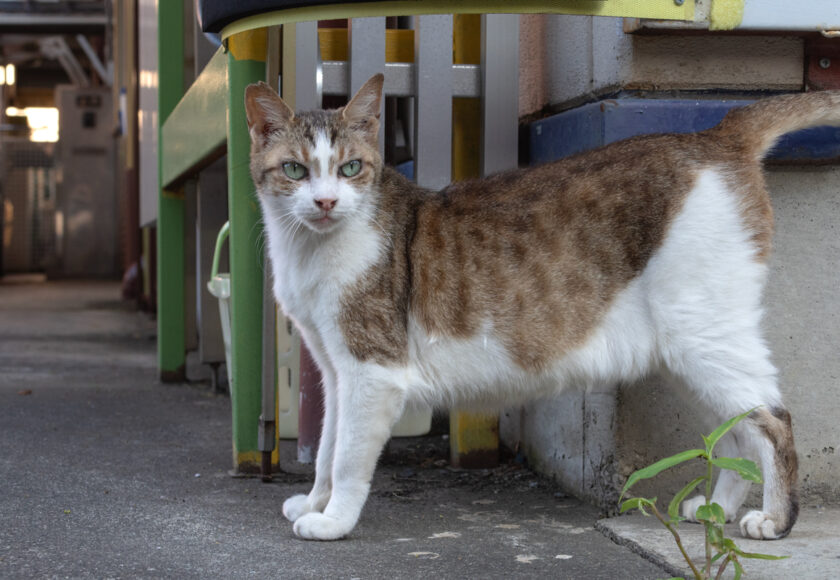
(294, 170)
(351, 168)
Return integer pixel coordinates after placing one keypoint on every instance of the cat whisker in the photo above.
(288, 221)
(372, 219)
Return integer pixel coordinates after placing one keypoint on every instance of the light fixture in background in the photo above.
(7, 75)
(42, 121)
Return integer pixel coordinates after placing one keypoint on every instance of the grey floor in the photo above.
(107, 473)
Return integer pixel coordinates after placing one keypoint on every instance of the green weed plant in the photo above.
(720, 550)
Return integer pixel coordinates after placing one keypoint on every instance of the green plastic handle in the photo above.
(220, 240)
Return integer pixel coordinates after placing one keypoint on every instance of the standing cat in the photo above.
(644, 255)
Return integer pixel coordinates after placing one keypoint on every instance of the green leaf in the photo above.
(715, 435)
(745, 468)
(718, 557)
(728, 545)
(659, 466)
(711, 513)
(738, 569)
(674, 506)
(714, 535)
(756, 556)
(634, 503)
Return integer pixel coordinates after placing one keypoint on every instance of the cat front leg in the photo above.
(732, 379)
(317, 499)
(369, 403)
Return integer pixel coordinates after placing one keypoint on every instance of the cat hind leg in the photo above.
(780, 466)
(730, 489)
(731, 381)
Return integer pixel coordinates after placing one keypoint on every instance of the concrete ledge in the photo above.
(812, 545)
(608, 121)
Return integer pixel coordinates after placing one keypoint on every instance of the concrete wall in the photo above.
(591, 442)
(566, 60)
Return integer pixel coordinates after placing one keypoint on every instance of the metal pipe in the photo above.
(55, 47)
(94, 60)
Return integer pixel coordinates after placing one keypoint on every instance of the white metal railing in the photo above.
(432, 80)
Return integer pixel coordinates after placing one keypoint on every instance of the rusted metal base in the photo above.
(265, 467)
(823, 58)
(310, 415)
(480, 459)
(177, 376)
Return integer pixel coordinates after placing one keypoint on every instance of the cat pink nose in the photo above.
(326, 204)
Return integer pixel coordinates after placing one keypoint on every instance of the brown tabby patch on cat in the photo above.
(746, 134)
(539, 254)
(374, 311)
(752, 130)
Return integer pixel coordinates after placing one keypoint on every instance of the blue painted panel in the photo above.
(817, 144)
(579, 130)
(406, 169)
(605, 122)
(626, 118)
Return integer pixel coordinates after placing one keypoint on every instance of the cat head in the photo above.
(316, 168)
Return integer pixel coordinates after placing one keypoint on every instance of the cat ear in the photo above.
(266, 112)
(362, 112)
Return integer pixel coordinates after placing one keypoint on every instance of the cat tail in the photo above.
(760, 125)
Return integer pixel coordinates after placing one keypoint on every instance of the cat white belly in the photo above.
(480, 371)
(704, 271)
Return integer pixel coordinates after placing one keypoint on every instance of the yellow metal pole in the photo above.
(473, 439)
(466, 112)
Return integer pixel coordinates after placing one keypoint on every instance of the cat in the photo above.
(648, 254)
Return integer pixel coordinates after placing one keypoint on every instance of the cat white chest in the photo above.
(312, 270)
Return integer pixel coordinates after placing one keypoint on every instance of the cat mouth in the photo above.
(322, 223)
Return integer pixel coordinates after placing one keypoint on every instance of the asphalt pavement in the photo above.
(107, 473)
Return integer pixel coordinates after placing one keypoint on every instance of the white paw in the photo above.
(758, 525)
(317, 526)
(296, 506)
(689, 509)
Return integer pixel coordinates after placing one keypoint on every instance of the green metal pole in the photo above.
(246, 64)
(170, 226)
